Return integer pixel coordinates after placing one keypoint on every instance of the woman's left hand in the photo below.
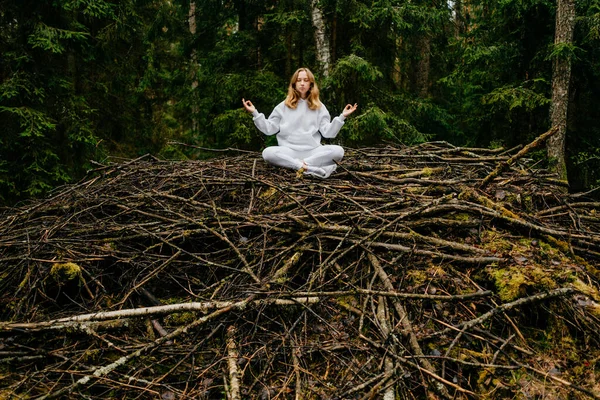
(349, 109)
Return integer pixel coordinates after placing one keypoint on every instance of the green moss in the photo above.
(527, 202)
(427, 172)
(350, 301)
(90, 355)
(417, 277)
(460, 216)
(435, 271)
(559, 244)
(268, 193)
(512, 282)
(65, 272)
(495, 242)
(179, 319)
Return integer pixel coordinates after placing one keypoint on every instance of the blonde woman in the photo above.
(299, 122)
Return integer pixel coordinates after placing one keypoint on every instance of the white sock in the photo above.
(315, 171)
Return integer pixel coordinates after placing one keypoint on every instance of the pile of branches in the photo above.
(417, 272)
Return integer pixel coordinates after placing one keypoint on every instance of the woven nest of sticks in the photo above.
(418, 272)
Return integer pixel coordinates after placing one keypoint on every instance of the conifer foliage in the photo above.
(81, 80)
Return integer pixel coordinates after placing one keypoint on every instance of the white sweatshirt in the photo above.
(300, 129)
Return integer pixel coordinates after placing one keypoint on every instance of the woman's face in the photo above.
(303, 84)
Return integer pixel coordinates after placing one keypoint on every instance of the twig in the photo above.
(508, 306)
(406, 324)
(232, 363)
(504, 165)
(69, 322)
(102, 371)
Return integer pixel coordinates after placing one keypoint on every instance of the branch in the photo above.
(505, 307)
(70, 322)
(232, 363)
(100, 372)
(504, 165)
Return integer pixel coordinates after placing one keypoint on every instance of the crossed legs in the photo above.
(319, 161)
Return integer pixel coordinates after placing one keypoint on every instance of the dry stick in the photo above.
(359, 291)
(247, 269)
(412, 235)
(69, 322)
(151, 275)
(252, 190)
(456, 339)
(362, 385)
(478, 208)
(386, 330)
(501, 348)
(356, 203)
(592, 205)
(433, 254)
(296, 360)
(505, 307)
(191, 352)
(417, 181)
(382, 384)
(102, 371)
(286, 194)
(594, 394)
(504, 165)
(375, 234)
(406, 324)
(421, 369)
(228, 149)
(232, 363)
(469, 363)
(546, 375)
(503, 341)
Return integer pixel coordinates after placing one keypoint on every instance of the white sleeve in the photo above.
(328, 128)
(268, 126)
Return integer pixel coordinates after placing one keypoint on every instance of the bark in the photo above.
(322, 45)
(386, 331)
(288, 58)
(561, 77)
(259, 57)
(505, 165)
(422, 66)
(194, 61)
(334, 32)
(459, 18)
(397, 69)
(232, 364)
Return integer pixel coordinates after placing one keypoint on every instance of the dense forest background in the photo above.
(84, 80)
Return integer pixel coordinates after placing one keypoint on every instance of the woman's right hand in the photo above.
(248, 106)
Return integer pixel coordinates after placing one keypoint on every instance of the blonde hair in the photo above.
(313, 93)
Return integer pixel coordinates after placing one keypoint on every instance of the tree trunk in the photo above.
(259, 57)
(561, 77)
(459, 18)
(289, 48)
(241, 11)
(194, 63)
(422, 66)
(321, 39)
(397, 69)
(334, 29)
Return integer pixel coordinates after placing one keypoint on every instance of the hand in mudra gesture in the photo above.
(349, 109)
(248, 106)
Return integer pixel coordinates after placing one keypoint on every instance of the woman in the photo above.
(299, 123)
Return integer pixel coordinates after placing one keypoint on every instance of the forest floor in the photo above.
(424, 272)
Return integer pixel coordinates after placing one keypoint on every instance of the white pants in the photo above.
(320, 161)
